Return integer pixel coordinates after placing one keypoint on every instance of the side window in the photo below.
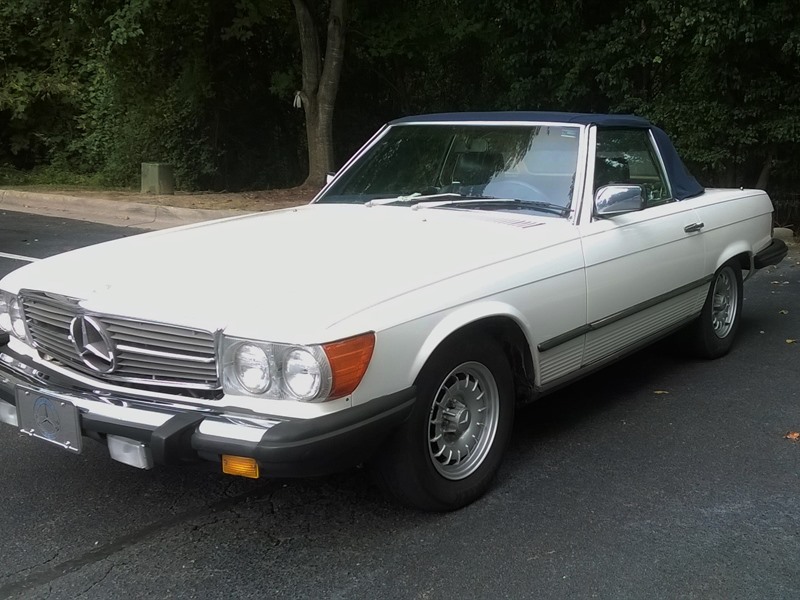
(627, 156)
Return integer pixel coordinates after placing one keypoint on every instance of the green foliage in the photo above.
(722, 77)
(91, 88)
(47, 175)
(37, 94)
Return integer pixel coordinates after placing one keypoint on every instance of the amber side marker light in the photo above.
(349, 359)
(240, 465)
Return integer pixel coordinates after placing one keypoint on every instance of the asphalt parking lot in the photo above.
(660, 477)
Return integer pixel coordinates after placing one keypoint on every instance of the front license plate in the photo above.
(49, 418)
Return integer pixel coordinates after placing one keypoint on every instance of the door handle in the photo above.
(693, 227)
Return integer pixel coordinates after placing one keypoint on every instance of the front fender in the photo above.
(463, 317)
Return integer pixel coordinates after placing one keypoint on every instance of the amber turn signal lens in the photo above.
(349, 360)
(240, 465)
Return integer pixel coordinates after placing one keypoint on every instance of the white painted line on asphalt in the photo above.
(18, 257)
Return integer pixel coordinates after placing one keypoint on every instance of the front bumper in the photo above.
(174, 433)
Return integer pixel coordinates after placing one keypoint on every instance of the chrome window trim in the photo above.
(581, 174)
(511, 122)
(587, 212)
(582, 129)
(346, 166)
(661, 164)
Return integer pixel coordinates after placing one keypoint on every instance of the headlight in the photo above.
(302, 373)
(274, 371)
(11, 318)
(312, 373)
(5, 317)
(251, 366)
(17, 320)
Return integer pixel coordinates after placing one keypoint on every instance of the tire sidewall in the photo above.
(425, 486)
(710, 344)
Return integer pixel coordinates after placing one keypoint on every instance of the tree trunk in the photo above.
(321, 75)
(763, 176)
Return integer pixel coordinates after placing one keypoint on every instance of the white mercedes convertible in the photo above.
(457, 266)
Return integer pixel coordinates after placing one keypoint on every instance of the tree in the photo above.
(320, 76)
(720, 75)
(94, 87)
(38, 93)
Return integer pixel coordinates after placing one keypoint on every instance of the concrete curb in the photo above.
(783, 233)
(108, 211)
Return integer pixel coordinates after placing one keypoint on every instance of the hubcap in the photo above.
(724, 303)
(463, 420)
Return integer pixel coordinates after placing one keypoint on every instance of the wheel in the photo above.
(448, 451)
(714, 331)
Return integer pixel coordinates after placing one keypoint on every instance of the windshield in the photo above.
(532, 164)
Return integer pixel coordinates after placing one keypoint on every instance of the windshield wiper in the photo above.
(490, 201)
(415, 197)
(455, 199)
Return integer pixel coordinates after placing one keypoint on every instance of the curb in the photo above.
(120, 213)
(783, 233)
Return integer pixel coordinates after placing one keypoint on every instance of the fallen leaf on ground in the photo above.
(783, 312)
(790, 341)
(792, 435)
(661, 392)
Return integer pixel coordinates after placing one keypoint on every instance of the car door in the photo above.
(644, 269)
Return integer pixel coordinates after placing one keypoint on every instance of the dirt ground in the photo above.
(250, 201)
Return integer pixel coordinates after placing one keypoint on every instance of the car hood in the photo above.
(294, 272)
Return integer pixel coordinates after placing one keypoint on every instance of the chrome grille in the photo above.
(146, 353)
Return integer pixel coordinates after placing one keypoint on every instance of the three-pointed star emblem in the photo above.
(92, 343)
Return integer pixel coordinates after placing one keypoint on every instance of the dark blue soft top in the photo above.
(684, 185)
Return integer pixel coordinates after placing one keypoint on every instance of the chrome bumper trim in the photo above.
(122, 410)
(142, 429)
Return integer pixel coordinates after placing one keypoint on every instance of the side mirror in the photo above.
(613, 200)
(329, 177)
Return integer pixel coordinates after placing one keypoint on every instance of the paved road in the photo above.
(26, 235)
(662, 477)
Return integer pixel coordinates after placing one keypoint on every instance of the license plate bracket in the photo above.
(49, 418)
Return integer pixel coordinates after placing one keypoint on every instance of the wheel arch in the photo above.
(499, 321)
(739, 253)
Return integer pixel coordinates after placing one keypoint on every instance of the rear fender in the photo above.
(737, 249)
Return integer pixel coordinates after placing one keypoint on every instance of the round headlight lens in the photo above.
(17, 322)
(5, 317)
(252, 368)
(302, 374)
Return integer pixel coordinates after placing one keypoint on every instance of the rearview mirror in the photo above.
(612, 200)
(329, 177)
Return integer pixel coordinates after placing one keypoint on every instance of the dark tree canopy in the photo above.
(88, 90)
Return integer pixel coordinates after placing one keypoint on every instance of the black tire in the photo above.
(407, 468)
(713, 333)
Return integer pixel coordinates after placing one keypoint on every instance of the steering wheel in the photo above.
(514, 188)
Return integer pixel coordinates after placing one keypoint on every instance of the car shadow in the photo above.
(572, 405)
